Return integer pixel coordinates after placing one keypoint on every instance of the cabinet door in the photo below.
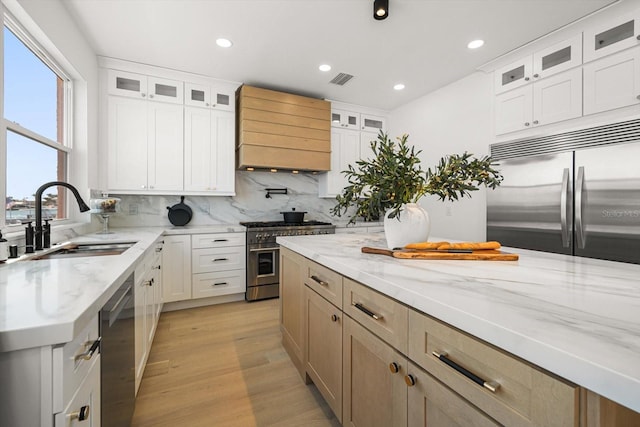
(612, 36)
(371, 123)
(514, 75)
(366, 153)
(345, 119)
(197, 95)
(127, 143)
(84, 407)
(514, 110)
(223, 132)
(165, 90)
(345, 150)
(558, 97)
(176, 268)
(557, 58)
(374, 395)
(165, 146)
(292, 273)
(431, 403)
(612, 82)
(223, 98)
(323, 349)
(126, 84)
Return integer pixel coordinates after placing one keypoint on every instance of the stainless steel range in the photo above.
(263, 264)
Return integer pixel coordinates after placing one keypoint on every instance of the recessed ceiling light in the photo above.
(324, 67)
(475, 44)
(224, 42)
(399, 86)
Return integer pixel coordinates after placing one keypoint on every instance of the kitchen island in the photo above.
(576, 318)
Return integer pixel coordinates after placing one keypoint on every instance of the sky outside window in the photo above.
(30, 99)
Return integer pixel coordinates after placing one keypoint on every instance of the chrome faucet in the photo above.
(39, 229)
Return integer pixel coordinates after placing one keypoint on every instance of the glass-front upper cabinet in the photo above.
(612, 36)
(558, 58)
(218, 97)
(345, 119)
(554, 59)
(371, 123)
(134, 85)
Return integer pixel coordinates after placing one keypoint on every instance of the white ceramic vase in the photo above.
(412, 225)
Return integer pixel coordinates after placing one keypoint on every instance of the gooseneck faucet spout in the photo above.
(81, 204)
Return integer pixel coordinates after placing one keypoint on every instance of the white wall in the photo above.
(452, 120)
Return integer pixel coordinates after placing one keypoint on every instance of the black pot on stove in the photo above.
(293, 216)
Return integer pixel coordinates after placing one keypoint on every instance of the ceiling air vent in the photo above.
(341, 79)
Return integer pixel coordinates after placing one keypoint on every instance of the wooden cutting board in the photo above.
(484, 255)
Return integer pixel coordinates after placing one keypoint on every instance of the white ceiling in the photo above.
(279, 44)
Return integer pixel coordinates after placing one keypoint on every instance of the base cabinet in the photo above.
(374, 395)
(176, 273)
(390, 375)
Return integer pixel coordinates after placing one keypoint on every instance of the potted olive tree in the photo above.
(392, 181)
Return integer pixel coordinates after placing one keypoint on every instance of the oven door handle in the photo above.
(264, 249)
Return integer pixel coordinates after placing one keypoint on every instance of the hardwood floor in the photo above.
(224, 365)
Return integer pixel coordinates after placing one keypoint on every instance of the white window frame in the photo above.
(7, 125)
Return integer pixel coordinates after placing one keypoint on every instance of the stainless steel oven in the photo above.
(263, 253)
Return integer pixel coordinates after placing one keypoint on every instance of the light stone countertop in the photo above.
(576, 317)
(47, 302)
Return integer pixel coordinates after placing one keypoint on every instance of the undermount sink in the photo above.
(74, 250)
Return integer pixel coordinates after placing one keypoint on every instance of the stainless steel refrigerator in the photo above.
(574, 193)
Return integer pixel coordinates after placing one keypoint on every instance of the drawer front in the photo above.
(71, 363)
(524, 395)
(218, 283)
(217, 259)
(217, 240)
(326, 282)
(380, 314)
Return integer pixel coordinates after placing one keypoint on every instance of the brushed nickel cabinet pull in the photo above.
(319, 281)
(366, 311)
(492, 386)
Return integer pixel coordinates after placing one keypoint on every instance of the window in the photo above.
(35, 101)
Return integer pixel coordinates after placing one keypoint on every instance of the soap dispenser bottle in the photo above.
(4, 249)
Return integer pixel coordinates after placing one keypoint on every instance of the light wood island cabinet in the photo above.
(402, 367)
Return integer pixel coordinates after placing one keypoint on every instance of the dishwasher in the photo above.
(117, 373)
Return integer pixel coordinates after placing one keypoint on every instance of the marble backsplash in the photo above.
(249, 203)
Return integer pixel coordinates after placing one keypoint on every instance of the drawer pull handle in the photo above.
(219, 240)
(219, 283)
(219, 259)
(394, 367)
(366, 311)
(87, 355)
(319, 281)
(492, 386)
(81, 415)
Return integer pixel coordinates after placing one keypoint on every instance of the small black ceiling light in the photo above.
(380, 9)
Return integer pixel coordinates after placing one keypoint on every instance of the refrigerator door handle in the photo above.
(564, 195)
(579, 226)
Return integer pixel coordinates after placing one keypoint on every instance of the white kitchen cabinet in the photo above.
(614, 35)
(176, 268)
(218, 97)
(612, 82)
(372, 123)
(546, 101)
(218, 264)
(366, 153)
(84, 408)
(345, 119)
(209, 153)
(140, 86)
(345, 150)
(148, 304)
(144, 141)
(544, 63)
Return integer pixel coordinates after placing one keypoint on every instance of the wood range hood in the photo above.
(282, 131)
